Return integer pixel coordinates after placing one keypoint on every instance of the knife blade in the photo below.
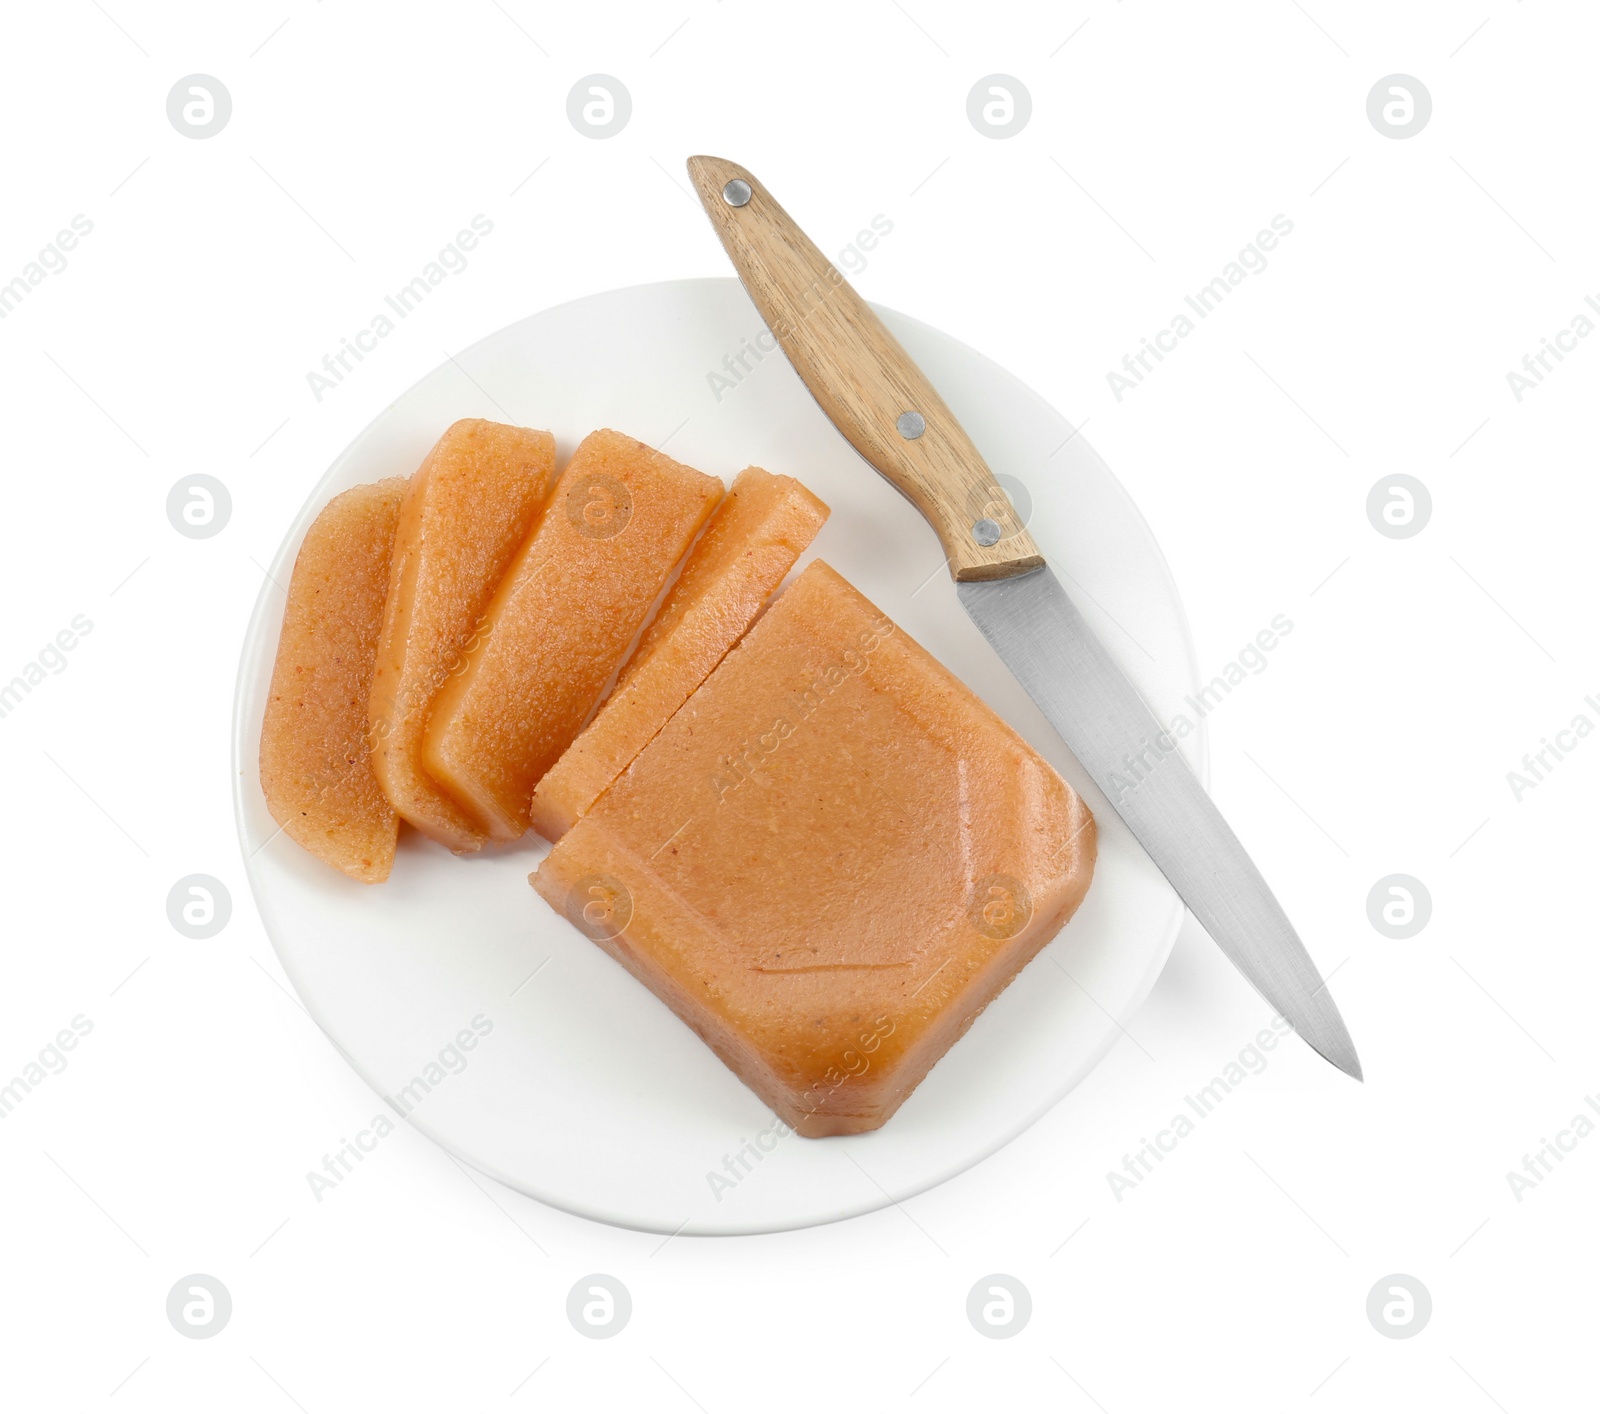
(1039, 633)
(873, 392)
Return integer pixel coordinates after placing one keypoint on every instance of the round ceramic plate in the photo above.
(580, 1088)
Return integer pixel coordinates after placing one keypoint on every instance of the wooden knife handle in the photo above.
(863, 380)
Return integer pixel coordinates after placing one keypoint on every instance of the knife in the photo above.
(880, 400)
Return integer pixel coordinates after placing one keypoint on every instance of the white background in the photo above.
(1419, 272)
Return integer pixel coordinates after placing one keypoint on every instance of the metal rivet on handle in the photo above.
(737, 192)
(986, 532)
(910, 425)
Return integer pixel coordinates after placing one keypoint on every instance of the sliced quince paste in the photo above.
(829, 861)
(470, 505)
(316, 769)
(620, 519)
(751, 542)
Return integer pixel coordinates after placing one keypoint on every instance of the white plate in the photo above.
(587, 1093)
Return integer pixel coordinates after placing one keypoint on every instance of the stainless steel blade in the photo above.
(1101, 716)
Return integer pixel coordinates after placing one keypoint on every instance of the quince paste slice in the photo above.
(470, 505)
(620, 519)
(316, 769)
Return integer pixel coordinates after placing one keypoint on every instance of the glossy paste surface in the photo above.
(829, 861)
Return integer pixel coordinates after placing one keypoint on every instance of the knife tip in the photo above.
(1339, 1051)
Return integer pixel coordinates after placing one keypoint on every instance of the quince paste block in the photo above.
(750, 544)
(829, 861)
(470, 505)
(620, 519)
(316, 769)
